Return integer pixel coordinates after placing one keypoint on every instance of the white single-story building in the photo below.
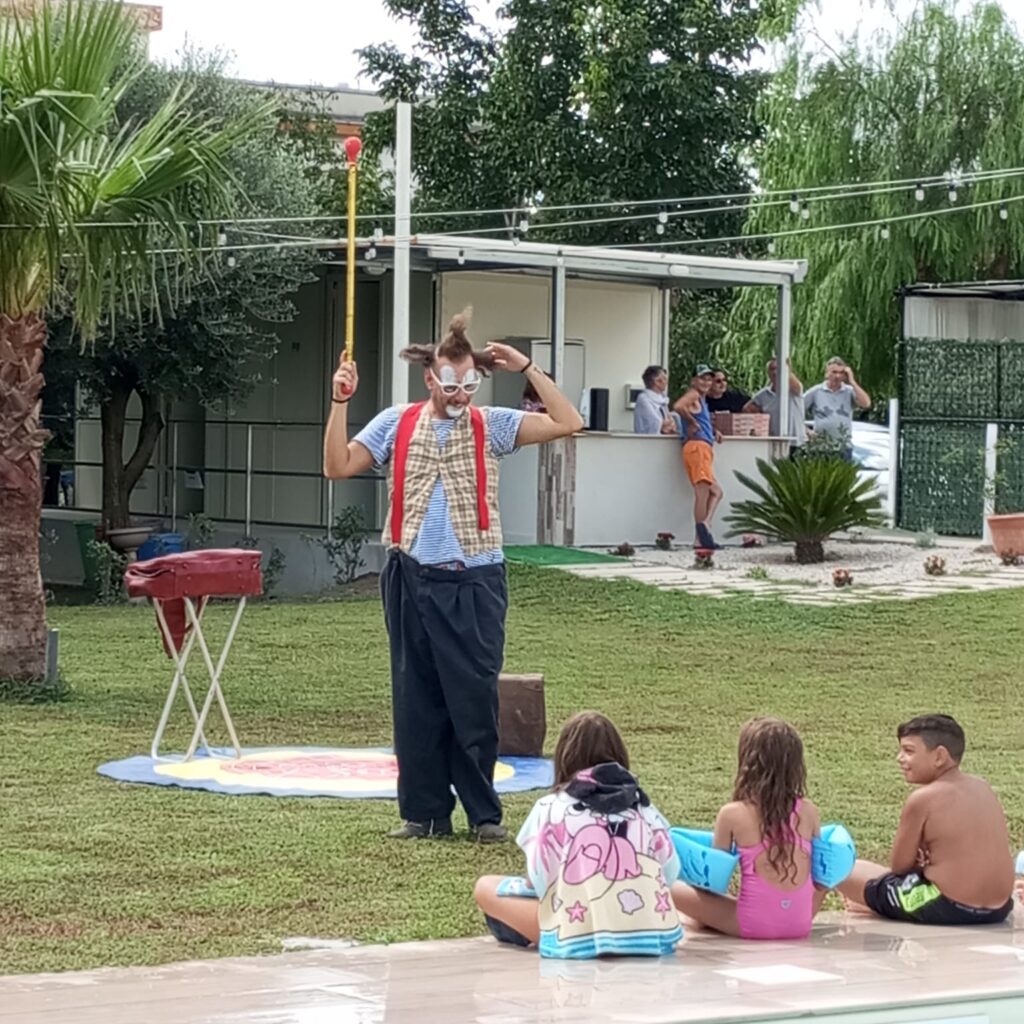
(599, 315)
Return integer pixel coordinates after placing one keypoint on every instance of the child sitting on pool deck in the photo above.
(598, 855)
(950, 861)
(771, 825)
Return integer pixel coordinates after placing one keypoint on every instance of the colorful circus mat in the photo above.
(347, 772)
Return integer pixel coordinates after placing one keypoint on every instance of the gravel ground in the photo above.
(870, 561)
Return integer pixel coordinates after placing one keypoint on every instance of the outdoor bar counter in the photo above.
(602, 488)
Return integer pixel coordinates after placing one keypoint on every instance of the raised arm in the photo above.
(561, 418)
(860, 397)
(687, 406)
(342, 457)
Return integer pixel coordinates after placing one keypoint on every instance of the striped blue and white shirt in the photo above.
(436, 543)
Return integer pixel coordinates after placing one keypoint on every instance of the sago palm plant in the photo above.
(805, 501)
(93, 213)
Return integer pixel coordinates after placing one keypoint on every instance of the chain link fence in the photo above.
(949, 391)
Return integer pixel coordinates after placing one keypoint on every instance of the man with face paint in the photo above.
(443, 586)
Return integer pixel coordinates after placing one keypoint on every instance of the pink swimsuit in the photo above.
(766, 912)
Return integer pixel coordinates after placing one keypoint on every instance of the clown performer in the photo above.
(443, 586)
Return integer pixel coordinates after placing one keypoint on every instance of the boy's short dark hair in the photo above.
(936, 731)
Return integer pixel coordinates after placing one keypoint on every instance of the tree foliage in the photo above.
(942, 94)
(574, 102)
(216, 345)
(96, 213)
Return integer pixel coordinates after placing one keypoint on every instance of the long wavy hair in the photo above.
(587, 739)
(454, 346)
(772, 776)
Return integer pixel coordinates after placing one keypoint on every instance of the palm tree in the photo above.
(94, 215)
(804, 501)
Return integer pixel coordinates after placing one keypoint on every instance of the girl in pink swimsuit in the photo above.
(770, 824)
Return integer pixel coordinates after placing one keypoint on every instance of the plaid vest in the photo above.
(468, 472)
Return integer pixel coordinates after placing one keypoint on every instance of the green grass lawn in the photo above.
(94, 872)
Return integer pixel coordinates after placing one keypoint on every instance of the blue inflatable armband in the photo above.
(832, 856)
(514, 886)
(701, 865)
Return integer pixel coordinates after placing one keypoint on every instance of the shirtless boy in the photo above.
(950, 861)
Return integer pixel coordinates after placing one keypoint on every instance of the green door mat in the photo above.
(548, 554)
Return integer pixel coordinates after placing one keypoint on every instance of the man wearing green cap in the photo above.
(699, 438)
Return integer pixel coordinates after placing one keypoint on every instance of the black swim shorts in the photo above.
(912, 897)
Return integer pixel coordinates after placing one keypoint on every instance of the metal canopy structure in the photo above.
(1005, 291)
(449, 253)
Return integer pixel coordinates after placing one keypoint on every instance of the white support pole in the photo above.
(783, 327)
(403, 223)
(666, 327)
(174, 476)
(991, 468)
(248, 480)
(558, 325)
(894, 460)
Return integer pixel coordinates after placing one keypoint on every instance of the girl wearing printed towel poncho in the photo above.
(598, 856)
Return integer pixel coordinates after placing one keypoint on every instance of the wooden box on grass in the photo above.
(522, 720)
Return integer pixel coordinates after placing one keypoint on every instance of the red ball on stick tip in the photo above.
(353, 147)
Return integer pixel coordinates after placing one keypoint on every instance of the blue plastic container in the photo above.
(700, 864)
(832, 856)
(161, 544)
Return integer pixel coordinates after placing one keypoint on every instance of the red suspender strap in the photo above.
(406, 427)
(482, 513)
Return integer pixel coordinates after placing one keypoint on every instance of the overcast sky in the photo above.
(313, 41)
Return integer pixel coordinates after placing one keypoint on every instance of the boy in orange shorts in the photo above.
(699, 438)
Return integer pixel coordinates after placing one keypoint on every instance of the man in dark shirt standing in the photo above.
(722, 398)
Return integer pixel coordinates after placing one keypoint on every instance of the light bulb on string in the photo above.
(532, 209)
(232, 261)
(378, 233)
(659, 228)
(805, 212)
(662, 215)
(771, 246)
(524, 226)
(952, 192)
(919, 192)
(462, 258)
(222, 238)
(794, 203)
(1004, 213)
(371, 253)
(885, 232)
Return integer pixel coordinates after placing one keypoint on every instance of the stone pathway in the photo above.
(718, 584)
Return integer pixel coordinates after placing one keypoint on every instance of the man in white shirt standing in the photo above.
(831, 404)
(651, 414)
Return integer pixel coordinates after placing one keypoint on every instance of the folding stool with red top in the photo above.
(179, 586)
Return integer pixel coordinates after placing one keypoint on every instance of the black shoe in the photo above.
(423, 829)
(489, 832)
(704, 538)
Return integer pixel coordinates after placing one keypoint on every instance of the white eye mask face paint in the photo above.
(451, 386)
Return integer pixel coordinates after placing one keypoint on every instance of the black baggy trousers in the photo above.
(446, 630)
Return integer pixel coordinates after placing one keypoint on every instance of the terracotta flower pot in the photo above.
(1007, 533)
